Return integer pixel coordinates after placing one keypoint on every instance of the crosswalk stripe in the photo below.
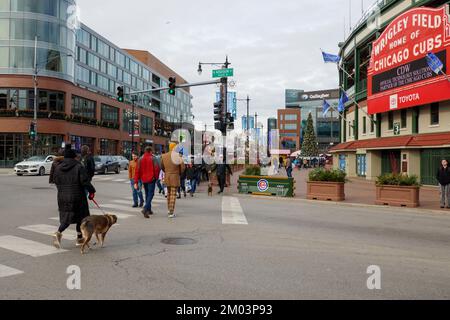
(122, 201)
(232, 212)
(49, 230)
(6, 271)
(119, 207)
(118, 215)
(27, 247)
(119, 180)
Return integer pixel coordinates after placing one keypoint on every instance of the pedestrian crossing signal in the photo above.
(120, 94)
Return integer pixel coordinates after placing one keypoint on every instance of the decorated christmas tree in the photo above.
(309, 147)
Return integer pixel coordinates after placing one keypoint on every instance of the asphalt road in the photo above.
(245, 248)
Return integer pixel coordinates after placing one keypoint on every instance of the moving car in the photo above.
(123, 162)
(106, 164)
(37, 165)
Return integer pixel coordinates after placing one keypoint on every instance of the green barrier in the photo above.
(267, 186)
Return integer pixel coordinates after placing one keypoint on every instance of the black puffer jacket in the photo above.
(443, 176)
(71, 179)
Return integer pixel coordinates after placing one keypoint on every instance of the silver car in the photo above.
(123, 162)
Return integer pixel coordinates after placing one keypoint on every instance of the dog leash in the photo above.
(93, 200)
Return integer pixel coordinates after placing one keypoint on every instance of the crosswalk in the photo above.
(232, 214)
(26, 247)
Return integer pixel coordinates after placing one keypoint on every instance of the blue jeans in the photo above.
(149, 193)
(289, 172)
(137, 194)
(194, 185)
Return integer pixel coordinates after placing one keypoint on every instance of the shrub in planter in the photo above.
(393, 179)
(326, 185)
(252, 170)
(398, 190)
(324, 175)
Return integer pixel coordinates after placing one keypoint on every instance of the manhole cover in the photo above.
(42, 188)
(178, 241)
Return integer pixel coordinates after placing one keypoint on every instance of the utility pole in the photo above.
(35, 93)
(133, 105)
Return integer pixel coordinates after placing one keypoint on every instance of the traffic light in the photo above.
(172, 85)
(32, 131)
(230, 121)
(120, 94)
(218, 111)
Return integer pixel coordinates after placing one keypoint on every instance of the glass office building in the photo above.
(78, 75)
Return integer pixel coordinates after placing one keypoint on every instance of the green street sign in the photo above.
(396, 129)
(223, 73)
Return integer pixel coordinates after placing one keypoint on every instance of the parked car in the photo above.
(123, 162)
(106, 164)
(37, 165)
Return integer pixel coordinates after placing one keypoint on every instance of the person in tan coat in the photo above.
(173, 166)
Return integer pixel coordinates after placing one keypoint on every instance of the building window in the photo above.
(364, 125)
(403, 119)
(290, 126)
(110, 114)
(434, 114)
(83, 107)
(290, 117)
(372, 124)
(391, 121)
(146, 125)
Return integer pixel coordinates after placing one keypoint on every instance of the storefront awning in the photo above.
(438, 140)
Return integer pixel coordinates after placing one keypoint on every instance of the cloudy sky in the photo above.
(272, 45)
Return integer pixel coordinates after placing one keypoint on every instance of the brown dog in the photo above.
(99, 225)
(210, 189)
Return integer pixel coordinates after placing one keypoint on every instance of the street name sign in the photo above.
(223, 73)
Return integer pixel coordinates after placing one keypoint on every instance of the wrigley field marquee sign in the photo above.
(399, 76)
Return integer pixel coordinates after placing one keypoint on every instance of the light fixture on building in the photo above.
(199, 69)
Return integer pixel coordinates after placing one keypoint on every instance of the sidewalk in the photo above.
(6, 171)
(357, 191)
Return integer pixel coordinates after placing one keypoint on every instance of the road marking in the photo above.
(232, 212)
(6, 271)
(49, 230)
(119, 180)
(120, 208)
(27, 247)
(118, 215)
(103, 179)
(122, 201)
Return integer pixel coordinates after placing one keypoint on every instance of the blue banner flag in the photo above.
(326, 107)
(342, 101)
(330, 58)
(434, 63)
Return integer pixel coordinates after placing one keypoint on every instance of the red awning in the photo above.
(410, 141)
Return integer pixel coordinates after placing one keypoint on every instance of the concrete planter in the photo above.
(328, 191)
(400, 196)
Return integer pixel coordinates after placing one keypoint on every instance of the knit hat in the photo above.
(69, 153)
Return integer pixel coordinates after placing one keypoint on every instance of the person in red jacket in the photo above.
(147, 171)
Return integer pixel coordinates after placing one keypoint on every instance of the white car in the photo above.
(38, 165)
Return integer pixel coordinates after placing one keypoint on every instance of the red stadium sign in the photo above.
(399, 76)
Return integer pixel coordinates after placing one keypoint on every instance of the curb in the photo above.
(350, 204)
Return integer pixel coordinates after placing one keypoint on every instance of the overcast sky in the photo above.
(272, 45)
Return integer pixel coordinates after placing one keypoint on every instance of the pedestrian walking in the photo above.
(221, 172)
(443, 176)
(71, 179)
(160, 182)
(56, 161)
(88, 161)
(173, 166)
(147, 170)
(137, 193)
(289, 167)
(193, 174)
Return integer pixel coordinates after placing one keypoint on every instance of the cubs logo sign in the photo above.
(263, 185)
(399, 76)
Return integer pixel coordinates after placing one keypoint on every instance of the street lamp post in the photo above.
(35, 86)
(247, 145)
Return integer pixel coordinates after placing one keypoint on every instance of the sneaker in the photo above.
(79, 242)
(57, 240)
(145, 213)
(151, 212)
(134, 206)
(171, 215)
(141, 205)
